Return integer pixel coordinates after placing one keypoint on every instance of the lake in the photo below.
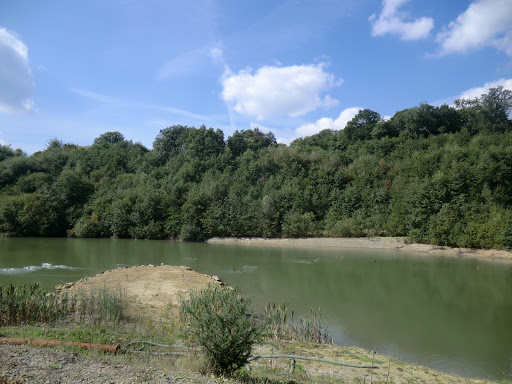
(449, 314)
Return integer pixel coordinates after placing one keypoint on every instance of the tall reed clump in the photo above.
(219, 322)
(30, 304)
(279, 325)
(98, 307)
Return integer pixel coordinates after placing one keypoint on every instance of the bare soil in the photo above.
(149, 290)
(22, 364)
(391, 243)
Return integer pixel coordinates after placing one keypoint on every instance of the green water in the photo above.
(445, 313)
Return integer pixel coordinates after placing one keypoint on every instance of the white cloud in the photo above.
(328, 123)
(393, 22)
(484, 23)
(479, 91)
(130, 104)
(278, 91)
(190, 63)
(216, 54)
(16, 82)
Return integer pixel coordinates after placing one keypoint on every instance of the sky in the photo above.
(72, 70)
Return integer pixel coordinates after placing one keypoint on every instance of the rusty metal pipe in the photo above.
(51, 343)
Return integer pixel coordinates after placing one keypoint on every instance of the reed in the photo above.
(31, 304)
(279, 325)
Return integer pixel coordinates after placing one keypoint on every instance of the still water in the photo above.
(448, 314)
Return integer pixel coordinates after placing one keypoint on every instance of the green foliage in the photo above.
(253, 139)
(297, 224)
(219, 323)
(436, 174)
(109, 138)
(89, 226)
(6, 152)
(27, 215)
(361, 126)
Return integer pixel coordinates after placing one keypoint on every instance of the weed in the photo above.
(218, 322)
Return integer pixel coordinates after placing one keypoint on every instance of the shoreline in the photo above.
(387, 243)
(153, 292)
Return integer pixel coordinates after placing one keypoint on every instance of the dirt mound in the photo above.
(148, 289)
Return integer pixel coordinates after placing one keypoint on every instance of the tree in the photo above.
(491, 108)
(361, 125)
(109, 138)
(252, 139)
(203, 143)
(6, 151)
(54, 144)
(497, 105)
(169, 142)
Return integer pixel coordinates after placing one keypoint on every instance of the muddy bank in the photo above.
(390, 243)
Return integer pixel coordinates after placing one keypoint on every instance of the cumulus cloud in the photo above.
(391, 21)
(328, 123)
(16, 82)
(278, 91)
(479, 91)
(484, 23)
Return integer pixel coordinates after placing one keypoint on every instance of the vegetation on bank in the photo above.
(180, 358)
(215, 319)
(34, 304)
(439, 175)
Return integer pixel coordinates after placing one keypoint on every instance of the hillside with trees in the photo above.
(436, 174)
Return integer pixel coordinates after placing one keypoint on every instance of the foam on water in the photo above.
(33, 268)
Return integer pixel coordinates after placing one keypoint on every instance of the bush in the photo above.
(219, 323)
(89, 226)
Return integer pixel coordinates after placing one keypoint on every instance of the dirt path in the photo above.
(21, 364)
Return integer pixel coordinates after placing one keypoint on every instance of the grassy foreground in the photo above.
(98, 317)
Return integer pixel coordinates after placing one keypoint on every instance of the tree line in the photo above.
(436, 174)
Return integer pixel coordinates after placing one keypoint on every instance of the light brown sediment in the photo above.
(388, 243)
(149, 290)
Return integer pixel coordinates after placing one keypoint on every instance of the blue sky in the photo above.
(73, 70)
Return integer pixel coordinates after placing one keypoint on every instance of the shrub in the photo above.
(219, 323)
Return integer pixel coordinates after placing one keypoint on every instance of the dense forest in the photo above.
(437, 174)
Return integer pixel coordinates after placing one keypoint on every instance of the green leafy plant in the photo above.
(219, 322)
